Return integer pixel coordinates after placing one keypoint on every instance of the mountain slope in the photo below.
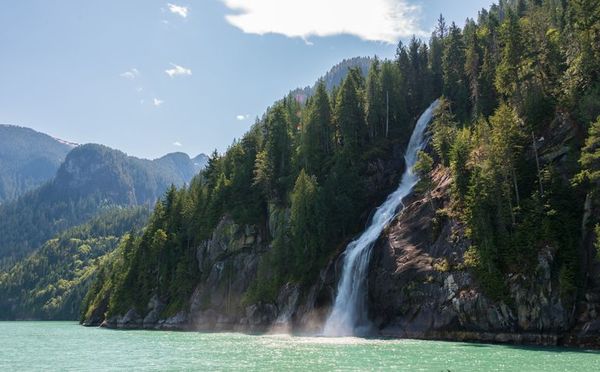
(51, 282)
(500, 241)
(335, 76)
(92, 178)
(27, 160)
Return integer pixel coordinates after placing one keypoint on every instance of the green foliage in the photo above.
(27, 160)
(597, 242)
(272, 169)
(588, 106)
(300, 175)
(375, 102)
(305, 225)
(590, 155)
(443, 131)
(51, 282)
(92, 179)
(349, 117)
(460, 152)
(508, 71)
(423, 168)
(317, 134)
(455, 79)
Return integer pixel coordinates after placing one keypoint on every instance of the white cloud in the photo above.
(178, 9)
(178, 71)
(131, 74)
(177, 143)
(157, 102)
(242, 117)
(374, 20)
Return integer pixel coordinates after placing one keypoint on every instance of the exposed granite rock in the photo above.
(131, 320)
(155, 306)
(419, 284)
(96, 318)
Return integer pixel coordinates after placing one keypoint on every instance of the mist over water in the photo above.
(349, 314)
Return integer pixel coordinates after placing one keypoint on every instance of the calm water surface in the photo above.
(66, 346)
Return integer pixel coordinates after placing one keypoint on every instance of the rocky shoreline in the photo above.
(178, 323)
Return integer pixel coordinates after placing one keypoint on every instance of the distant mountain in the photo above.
(27, 159)
(91, 179)
(181, 165)
(337, 73)
(200, 162)
(334, 77)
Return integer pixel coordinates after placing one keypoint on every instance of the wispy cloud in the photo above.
(131, 74)
(177, 143)
(178, 71)
(178, 9)
(157, 102)
(374, 20)
(242, 117)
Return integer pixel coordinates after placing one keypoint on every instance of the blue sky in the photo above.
(151, 77)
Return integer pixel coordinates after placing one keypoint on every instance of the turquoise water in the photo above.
(66, 346)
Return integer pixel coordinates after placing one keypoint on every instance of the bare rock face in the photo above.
(228, 262)
(287, 305)
(155, 306)
(419, 285)
(131, 319)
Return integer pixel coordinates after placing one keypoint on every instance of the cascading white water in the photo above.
(349, 314)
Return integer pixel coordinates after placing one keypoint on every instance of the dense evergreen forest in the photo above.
(51, 282)
(91, 179)
(302, 174)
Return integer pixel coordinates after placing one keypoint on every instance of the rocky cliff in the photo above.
(421, 287)
(421, 283)
(229, 263)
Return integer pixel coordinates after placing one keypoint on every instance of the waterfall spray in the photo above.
(349, 314)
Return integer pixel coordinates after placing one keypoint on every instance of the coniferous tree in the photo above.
(436, 50)
(444, 130)
(453, 62)
(273, 164)
(316, 140)
(472, 66)
(396, 122)
(375, 101)
(507, 73)
(590, 156)
(305, 224)
(349, 117)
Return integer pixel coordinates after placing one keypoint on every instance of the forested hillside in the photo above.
(521, 79)
(335, 76)
(91, 179)
(51, 282)
(27, 160)
(298, 176)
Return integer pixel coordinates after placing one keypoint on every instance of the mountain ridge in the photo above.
(91, 178)
(28, 159)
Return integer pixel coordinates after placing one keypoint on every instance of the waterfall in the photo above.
(349, 314)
